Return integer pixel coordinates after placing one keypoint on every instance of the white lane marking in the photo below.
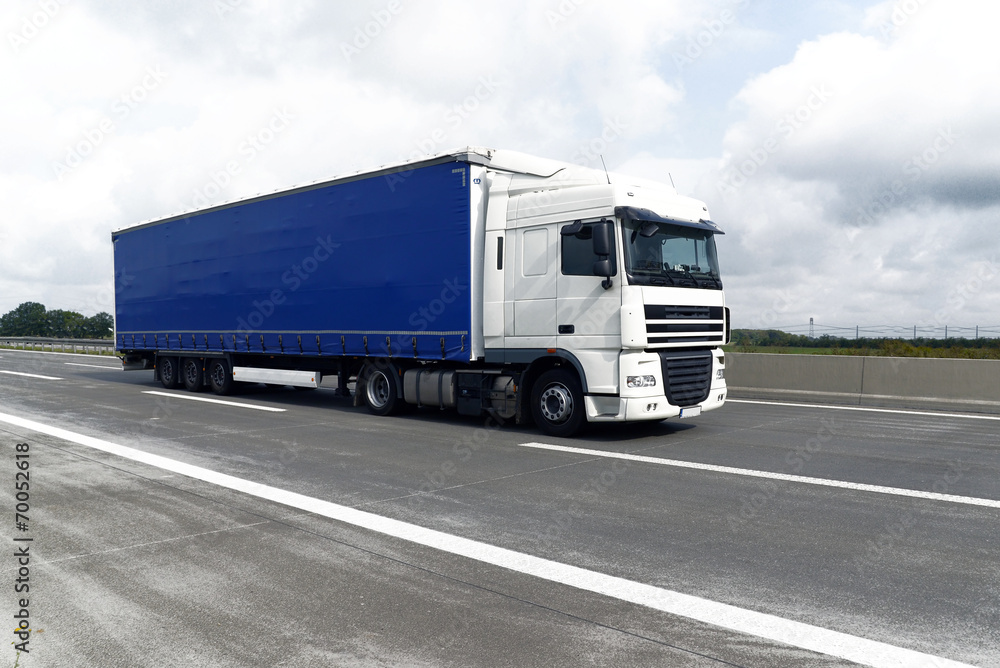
(857, 486)
(50, 352)
(797, 634)
(30, 375)
(96, 366)
(964, 416)
(235, 404)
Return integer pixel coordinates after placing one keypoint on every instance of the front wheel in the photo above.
(381, 393)
(557, 403)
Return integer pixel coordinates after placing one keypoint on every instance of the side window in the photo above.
(578, 255)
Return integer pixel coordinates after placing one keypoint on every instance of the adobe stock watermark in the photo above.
(712, 30)
(248, 150)
(912, 171)
(440, 477)
(163, 407)
(887, 542)
(104, 298)
(563, 12)
(425, 316)
(292, 279)
(766, 319)
(32, 25)
(223, 8)
(365, 34)
(121, 108)
(979, 277)
(453, 119)
(589, 154)
(784, 129)
(902, 13)
(593, 489)
(753, 504)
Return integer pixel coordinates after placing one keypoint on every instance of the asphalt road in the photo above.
(242, 544)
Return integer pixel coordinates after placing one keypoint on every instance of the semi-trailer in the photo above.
(486, 281)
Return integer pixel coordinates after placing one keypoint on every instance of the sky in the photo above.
(850, 149)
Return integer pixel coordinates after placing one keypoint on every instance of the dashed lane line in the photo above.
(857, 486)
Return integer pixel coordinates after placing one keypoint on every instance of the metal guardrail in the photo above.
(87, 346)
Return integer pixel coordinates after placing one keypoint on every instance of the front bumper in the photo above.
(644, 404)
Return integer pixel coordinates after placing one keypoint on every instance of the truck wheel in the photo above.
(557, 403)
(220, 377)
(169, 374)
(380, 391)
(193, 374)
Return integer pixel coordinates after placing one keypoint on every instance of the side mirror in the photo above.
(602, 249)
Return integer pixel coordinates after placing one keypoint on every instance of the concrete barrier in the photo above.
(898, 382)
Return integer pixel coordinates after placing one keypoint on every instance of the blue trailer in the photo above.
(433, 282)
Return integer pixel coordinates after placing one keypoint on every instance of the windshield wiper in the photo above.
(687, 274)
(711, 277)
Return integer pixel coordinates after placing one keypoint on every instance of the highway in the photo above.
(281, 527)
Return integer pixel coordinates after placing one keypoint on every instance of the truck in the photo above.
(488, 282)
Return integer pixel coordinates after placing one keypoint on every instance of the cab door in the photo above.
(589, 305)
(534, 287)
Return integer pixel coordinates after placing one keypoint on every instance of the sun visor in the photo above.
(635, 213)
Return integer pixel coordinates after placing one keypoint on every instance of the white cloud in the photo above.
(862, 168)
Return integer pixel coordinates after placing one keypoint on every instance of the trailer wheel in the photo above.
(220, 377)
(380, 390)
(193, 373)
(167, 369)
(557, 403)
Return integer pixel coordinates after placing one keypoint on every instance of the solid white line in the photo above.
(95, 366)
(50, 352)
(207, 400)
(857, 486)
(964, 416)
(30, 375)
(806, 636)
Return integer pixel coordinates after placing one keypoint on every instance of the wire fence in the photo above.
(913, 332)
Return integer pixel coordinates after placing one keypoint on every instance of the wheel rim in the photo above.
(378, 389)
(218, 375)
(166, 369)
(556, 403)
(191, 372)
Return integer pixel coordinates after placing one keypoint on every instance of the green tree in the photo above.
(28, 319)
(66, 324)
(100, 326)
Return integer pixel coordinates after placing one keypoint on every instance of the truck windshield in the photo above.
(671, 255)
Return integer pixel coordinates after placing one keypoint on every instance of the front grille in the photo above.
(676, 326)
(687, 376)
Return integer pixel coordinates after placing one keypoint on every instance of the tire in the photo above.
(381, 392)
(220, 377)
(166, 368)
(193, 373)
(557, 403)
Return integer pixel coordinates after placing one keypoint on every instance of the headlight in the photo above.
(720, 374)
(641, 381)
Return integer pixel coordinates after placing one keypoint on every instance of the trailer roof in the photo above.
(499, 160)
